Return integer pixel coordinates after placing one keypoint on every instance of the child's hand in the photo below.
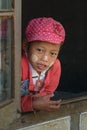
(44, 103)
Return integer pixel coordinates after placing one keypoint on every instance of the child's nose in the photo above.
(45, 57)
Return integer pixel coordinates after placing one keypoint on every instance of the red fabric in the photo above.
(45, 29)
(50, 84)
(26, 103)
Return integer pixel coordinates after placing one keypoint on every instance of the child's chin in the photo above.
(40, 70)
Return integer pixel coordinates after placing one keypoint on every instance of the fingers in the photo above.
(51, 95)
(44, 103)
(54, 105)
(36, 95)
(55, 102)
(54, 108)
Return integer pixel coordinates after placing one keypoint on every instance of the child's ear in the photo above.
(24, 47)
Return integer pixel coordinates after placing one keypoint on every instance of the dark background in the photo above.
(73, 55)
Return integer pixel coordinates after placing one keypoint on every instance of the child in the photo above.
(41, 69)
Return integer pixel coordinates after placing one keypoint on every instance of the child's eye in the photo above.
(39, 50)
(53, 54)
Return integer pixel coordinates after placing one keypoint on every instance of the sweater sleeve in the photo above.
(26, 99)
(26, 103)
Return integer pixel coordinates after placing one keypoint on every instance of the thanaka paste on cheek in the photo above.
(34, 58)
(51, 64)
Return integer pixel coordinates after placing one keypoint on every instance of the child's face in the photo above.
(42, 55)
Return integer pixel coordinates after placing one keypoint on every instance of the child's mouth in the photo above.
(42, 66)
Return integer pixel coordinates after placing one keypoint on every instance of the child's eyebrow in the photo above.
(55, 50)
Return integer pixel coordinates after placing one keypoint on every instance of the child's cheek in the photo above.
(34, 58)
(51, 64)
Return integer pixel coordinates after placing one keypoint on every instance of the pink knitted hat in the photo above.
(45, 29)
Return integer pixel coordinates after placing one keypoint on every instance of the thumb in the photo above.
(50, 95)
(37, 95)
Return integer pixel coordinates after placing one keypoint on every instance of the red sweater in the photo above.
(50, 83)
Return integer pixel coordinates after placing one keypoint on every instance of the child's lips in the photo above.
(42, 66)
